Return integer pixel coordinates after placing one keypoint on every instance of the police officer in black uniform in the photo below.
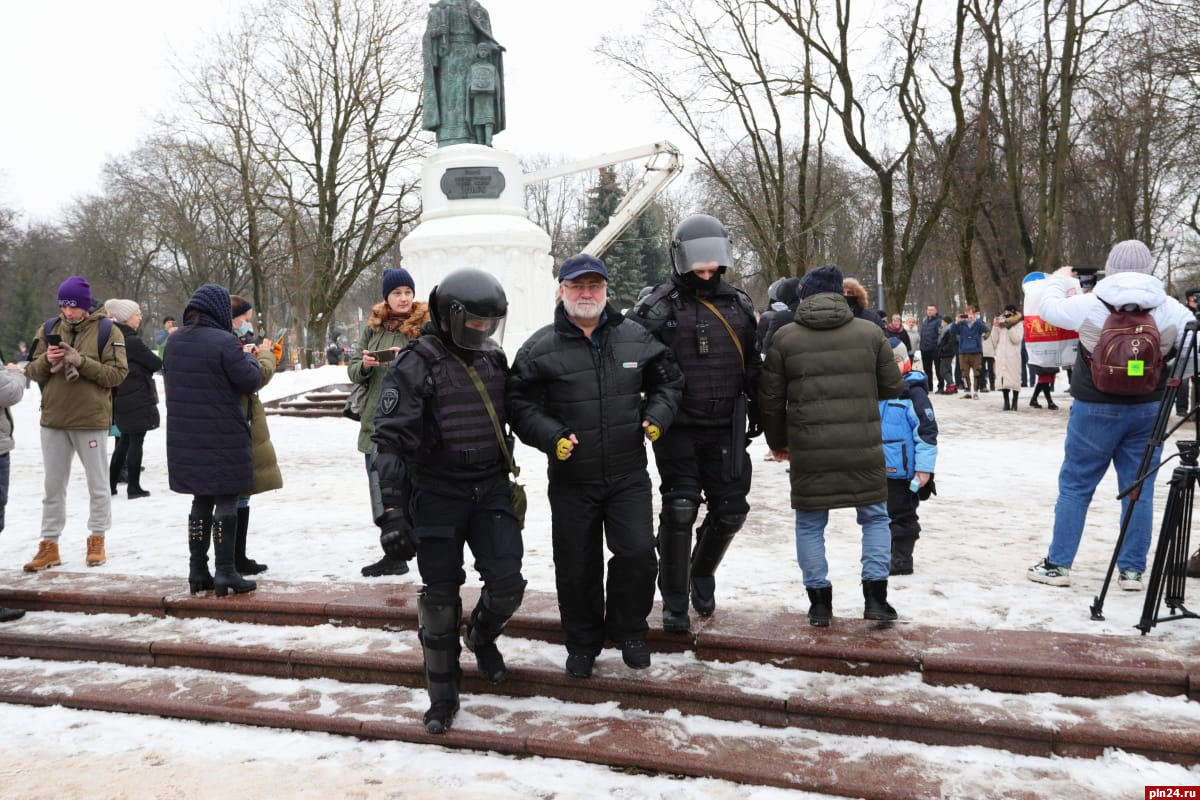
(710, 326)
(443, 480)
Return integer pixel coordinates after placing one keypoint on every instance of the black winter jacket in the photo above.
(600, 389)
(135, 405)
(207, 377)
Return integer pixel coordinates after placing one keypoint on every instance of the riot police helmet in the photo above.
(468, 307)
(699, 241)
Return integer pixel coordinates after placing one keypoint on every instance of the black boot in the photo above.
(133, 467)
(1014, 402)
(224, 542)
(1005, 393)
(245, 566)
(712, 540)
(497, 603)
(1193, 565)
(199, 535)
(388, 565)
(674, 544)
(820, 609)
(440, 616)
(875, 593)
(9, 614)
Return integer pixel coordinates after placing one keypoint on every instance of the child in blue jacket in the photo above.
(910, 448)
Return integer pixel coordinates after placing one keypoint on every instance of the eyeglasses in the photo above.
(595, 288)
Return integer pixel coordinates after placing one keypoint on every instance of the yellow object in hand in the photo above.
(653, 432)
(562, 449)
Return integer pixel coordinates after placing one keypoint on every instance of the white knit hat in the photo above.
(121, 310)
(1129, 256)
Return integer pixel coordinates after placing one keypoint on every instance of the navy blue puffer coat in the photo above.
(207, 376)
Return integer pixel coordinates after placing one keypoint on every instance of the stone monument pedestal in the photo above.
(474, 216)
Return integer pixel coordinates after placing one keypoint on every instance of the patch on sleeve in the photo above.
(929, 414)
(388, 402)
(629, 365)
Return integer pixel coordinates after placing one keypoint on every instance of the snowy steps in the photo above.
(824, 682)
(327, 401)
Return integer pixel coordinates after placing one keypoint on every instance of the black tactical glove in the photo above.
(394, 534)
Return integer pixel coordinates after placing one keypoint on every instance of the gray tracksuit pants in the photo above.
(58, 448)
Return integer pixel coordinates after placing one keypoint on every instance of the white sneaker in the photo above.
(1130, 580)
(1049, 574)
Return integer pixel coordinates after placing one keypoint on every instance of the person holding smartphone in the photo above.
(78, 359)
(394, 321)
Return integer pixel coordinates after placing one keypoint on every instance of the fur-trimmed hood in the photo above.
(852, 288)
(411, 327)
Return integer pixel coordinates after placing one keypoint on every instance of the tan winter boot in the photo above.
(95, 553)
(47, 556)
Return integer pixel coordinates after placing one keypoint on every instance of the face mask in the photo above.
(696, 284)
(243, 329)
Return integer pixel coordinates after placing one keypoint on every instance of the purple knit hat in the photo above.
(75, 292)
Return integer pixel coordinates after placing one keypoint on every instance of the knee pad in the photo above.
(679, 510)
(439, 609)
(726, 522)
(503, 597)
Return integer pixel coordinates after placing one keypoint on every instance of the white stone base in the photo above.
(495, 235)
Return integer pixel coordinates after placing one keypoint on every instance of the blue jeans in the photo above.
(876, 544)
(1099, 434)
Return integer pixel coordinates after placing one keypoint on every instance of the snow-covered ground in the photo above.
(991, 519)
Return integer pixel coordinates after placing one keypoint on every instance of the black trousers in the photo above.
(127, 453)
(704, 460)
(586, 517)
(929, 360)
(443, 524)
(902, 508)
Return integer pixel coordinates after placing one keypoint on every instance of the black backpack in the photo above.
(1128, 358)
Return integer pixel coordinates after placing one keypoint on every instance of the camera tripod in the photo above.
(1167, 573)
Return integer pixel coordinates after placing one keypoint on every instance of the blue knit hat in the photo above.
(212, 301)
(396, 277)
(822, 279)
(75, 292)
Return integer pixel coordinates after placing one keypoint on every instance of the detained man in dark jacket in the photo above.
(443, 470)
(587, 390)
(819, 397)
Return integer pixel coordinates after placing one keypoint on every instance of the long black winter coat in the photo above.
(135, 406)
(600, 389)
(207, 376)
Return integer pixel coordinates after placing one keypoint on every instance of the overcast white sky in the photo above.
(83, 80)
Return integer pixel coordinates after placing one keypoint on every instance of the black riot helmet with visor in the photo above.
(469, 306)
(700, 239)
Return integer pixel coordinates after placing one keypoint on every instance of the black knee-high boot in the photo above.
(712, 540)
(224, 542)
(199, 535)
(1005, 393)
(245, 566)
(498, 601)
(439, 613)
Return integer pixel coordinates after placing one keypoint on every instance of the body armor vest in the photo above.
(711, 363)
(463, 434)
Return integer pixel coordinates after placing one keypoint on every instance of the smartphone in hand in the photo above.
(382, 355)
(53, 340)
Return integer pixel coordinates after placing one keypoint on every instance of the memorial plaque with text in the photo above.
(472, 183)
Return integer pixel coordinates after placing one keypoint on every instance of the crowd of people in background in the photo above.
(692, 368)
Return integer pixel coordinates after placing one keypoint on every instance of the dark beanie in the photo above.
(822, 279)
(788, 291)
(396, 277)
(75, 291)
(212, 301)
(242, 308)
